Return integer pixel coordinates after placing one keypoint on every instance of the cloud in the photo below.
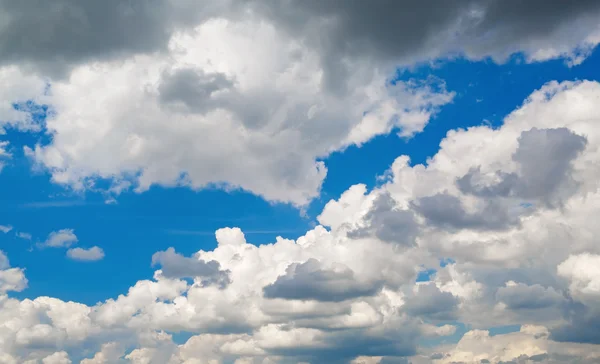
(388, 223)
(61, 239)
(311, 281)
(91, 254)
(346, 288)
(544, 157)
(60, 357)
(445, 210)
(430, 302)
(583, 272)
(351, 30)
(11, 279)
(48, 204)
(531, 344)
(520, 296)
(174, 265)
(24, 236)
(5, 228)
(4, 154)
(243, 94)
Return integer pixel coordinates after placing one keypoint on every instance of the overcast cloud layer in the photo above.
(255, 95)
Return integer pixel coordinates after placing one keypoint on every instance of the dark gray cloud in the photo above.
(582, 326)
(175, 265)
(52, 34)
(55, 35)
(535, 297)
(446, 211)
(545, 159)
(344, 345)
(310, 281)
(432, 303)
(408, 31)
(388, 223)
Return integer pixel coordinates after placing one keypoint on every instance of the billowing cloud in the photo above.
(311, 281)
(11, 279)
(347, 289)
(243, 94)
(200, 95)
(531, 344)
(174, 265)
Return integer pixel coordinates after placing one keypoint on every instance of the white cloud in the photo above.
(110, 353)
(61, 239)
(5, 228)
(531, 344)
(91, 254)
(11, 279)
(240, 104)
(59, 357)
(583, 272)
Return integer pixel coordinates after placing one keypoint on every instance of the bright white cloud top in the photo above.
(251, 96)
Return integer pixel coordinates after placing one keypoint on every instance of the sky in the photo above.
(252, 182)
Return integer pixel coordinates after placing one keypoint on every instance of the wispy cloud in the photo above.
(5, 228)
(47, 204)
(25, 236)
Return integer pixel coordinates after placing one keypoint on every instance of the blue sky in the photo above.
(123, 144)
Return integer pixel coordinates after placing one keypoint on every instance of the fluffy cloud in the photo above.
(200, 116)
(174, 265)
(61, 239)
(272, 94)
(245, 94)
(5, 228)
(347, 289)
(11, 279)
(529, 345)
(91, 254)
(310, 281)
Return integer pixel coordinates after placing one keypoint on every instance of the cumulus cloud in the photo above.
(61, 239)
(11, 279)
(520, 296)
(91, 254)
(5, 228)
(174, 265)
(530, 344)
(311, 281)
(243, 94)
(60, 357)
(347, 288)
(198, 95)
(432, 303)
